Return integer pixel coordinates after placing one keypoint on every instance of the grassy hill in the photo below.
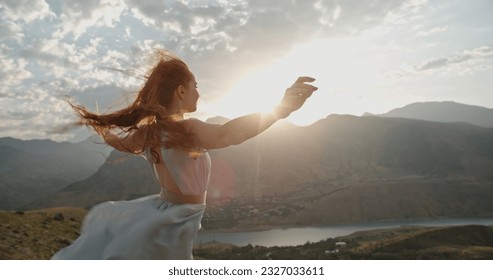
(37, 235)
(34, 235)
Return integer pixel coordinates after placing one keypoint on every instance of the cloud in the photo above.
(97, 49)
(77, 16)
(241, 25)
(45, 57)
(12, 73)
(473, 55)
(228, 39)
(102, 97)
(11, 30)
(38, 112)
(469, 61)
(432, 31)
(56, 59)
(76, 62)
(25, 11)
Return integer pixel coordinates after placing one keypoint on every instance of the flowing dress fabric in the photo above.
(144, 228)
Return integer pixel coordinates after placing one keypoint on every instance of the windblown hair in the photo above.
(148, 111)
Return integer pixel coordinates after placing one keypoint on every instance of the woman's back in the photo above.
(178, 173)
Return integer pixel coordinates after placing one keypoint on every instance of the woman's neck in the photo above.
(175, 110)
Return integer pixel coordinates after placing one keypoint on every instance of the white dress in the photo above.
(149, 227)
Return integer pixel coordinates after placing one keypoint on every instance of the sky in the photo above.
(367, 56)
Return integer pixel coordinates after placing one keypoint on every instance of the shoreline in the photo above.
(390, 223)
(294, 236)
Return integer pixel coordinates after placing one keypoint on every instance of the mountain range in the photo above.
(35, 168)
(347, 169)
(341, 169)
(446, 111)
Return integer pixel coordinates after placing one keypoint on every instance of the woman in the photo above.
(164, 226)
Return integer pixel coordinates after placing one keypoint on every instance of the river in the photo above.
(299, 236)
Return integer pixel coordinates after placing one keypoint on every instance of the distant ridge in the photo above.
(446, 111)
(30, 169)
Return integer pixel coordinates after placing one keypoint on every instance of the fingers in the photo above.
(298, 93)
(300, 89)
(300, 84)
(304, 87)
(304, 79)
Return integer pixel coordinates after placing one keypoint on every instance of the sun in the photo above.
(344, 75)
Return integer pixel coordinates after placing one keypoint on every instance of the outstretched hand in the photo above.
(295, 96)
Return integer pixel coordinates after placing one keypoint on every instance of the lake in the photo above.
(299, 236)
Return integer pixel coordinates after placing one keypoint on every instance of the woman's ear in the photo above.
(180, 91)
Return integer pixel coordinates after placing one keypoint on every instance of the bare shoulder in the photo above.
(198, 126)
(210, 135)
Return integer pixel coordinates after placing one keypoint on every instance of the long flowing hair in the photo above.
(148, 111)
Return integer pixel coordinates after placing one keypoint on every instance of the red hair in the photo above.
(148, 111)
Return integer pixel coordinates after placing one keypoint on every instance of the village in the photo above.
(247, 212)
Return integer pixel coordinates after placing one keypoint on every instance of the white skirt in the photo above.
(145, 228)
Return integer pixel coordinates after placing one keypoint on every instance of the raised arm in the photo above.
(236, 131)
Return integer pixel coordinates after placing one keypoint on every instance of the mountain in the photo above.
(342, 169)
(34, 168)
(122, 176)
(446, 111)
(347, 169)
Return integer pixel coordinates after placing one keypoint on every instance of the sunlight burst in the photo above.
(345, 75)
